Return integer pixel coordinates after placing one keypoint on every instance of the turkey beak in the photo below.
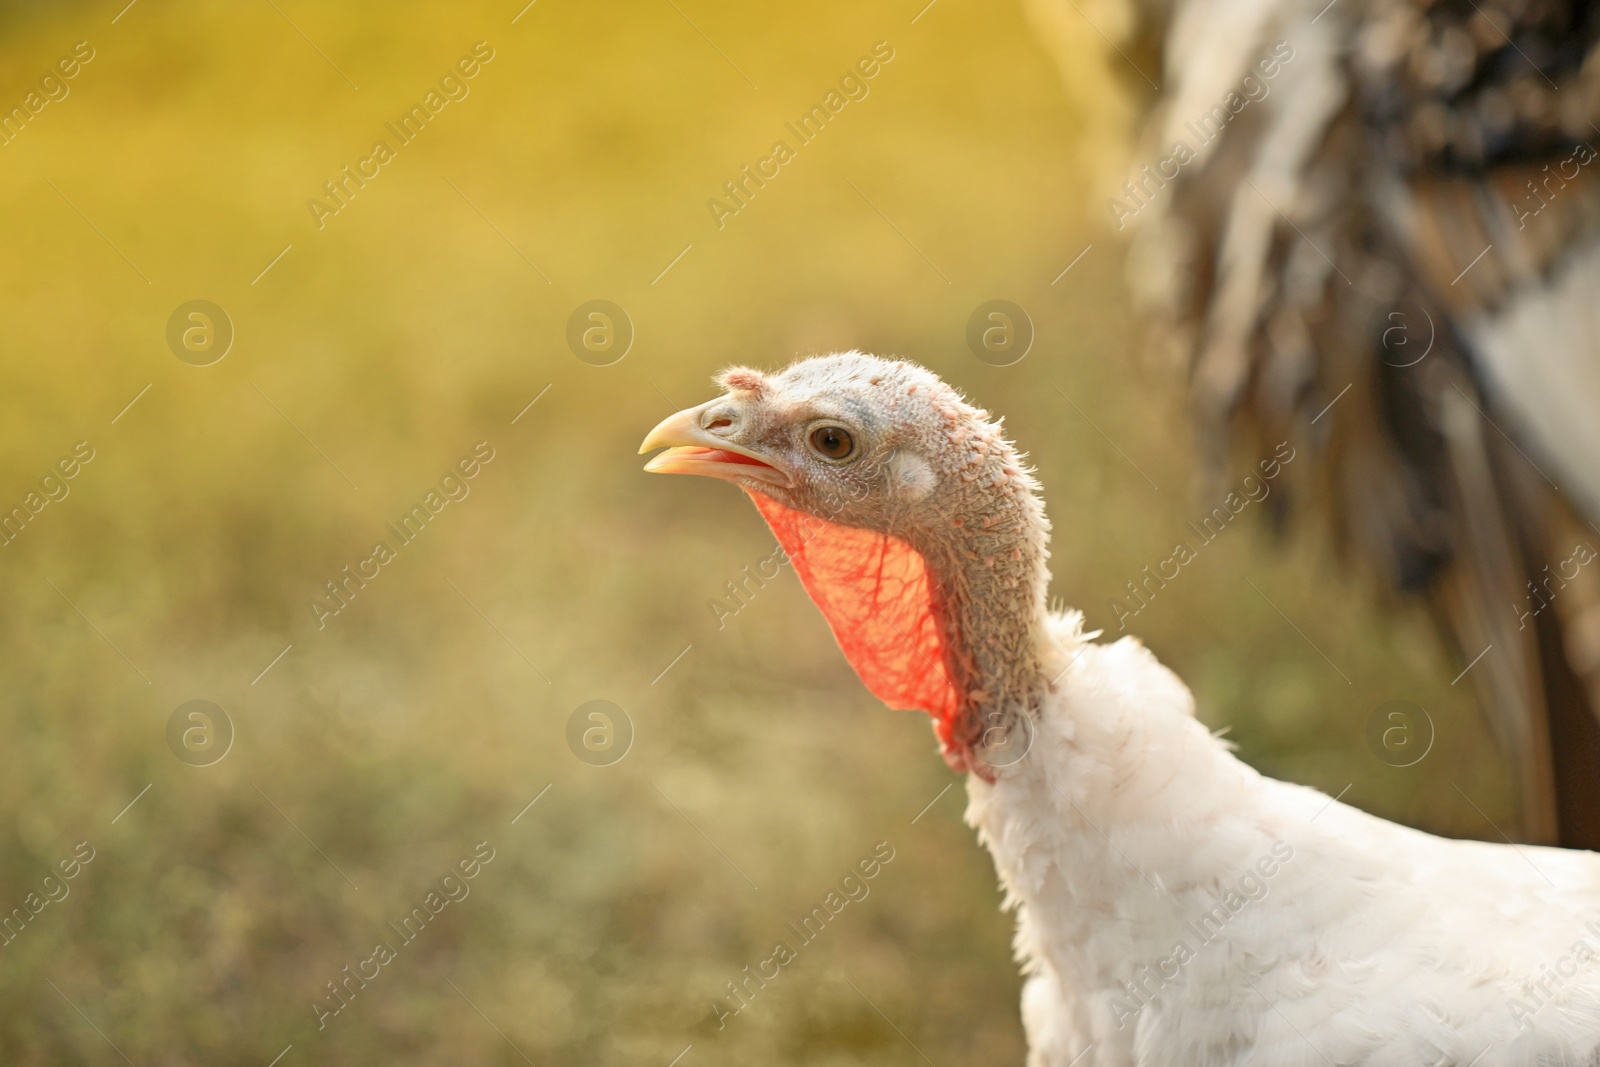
(693, 449)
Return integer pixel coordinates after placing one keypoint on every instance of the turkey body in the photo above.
(1175, 907)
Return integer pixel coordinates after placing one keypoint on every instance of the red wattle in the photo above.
(882, 605)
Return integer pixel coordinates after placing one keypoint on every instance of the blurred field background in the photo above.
(412, 727)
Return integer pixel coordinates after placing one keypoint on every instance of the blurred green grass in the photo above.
(412, 728)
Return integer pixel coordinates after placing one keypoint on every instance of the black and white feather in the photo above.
(1390, 249)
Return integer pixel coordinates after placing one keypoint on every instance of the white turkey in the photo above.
(1174, 907)
(1381, 237)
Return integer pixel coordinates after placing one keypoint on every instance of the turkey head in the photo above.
(910, 520)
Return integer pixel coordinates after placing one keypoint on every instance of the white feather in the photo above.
(1374, 944)
(1539, 357)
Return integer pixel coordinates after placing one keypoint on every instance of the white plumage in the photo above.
(1129, 824)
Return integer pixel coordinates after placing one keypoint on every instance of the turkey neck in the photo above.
(985, 547)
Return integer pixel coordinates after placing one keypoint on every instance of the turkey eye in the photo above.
(832, 442)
